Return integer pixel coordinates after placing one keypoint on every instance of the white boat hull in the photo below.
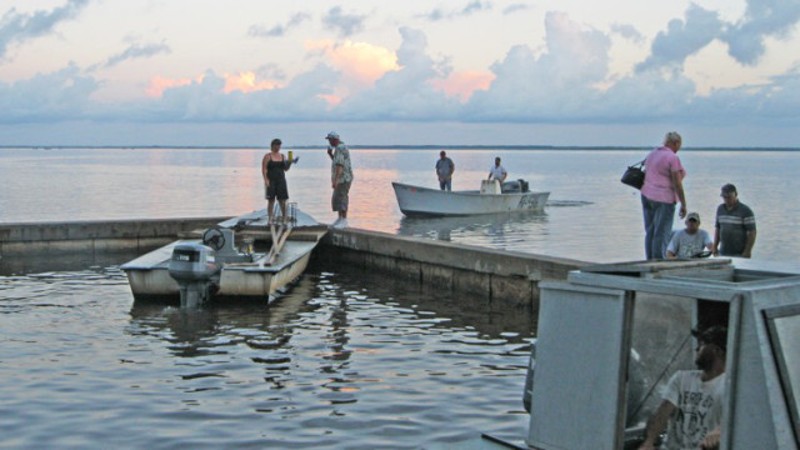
(149, 276)
(422, 201)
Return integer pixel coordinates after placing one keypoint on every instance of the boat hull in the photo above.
(256, 279)
(422, 201)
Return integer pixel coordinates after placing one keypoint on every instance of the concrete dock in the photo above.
(503, 278)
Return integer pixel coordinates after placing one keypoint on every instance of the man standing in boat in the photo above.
(691, 411)
(497, 171)
(341, 176)
(444, 170)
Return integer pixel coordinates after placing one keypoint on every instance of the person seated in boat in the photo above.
(444, 170)
(497, 172)
(691, 410)
(273, 169)
(690, 242)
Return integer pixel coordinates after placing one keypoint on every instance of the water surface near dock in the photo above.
(346, 360)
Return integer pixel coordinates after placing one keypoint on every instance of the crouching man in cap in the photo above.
(691, 410)
(690, 242)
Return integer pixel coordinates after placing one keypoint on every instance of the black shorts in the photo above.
(277, 188)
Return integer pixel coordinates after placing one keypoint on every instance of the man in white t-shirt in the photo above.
(497, 172)
(691, 410)
(690, 242)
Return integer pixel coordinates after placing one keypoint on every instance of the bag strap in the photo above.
(640, 163)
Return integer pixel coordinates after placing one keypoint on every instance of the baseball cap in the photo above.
(693, 216)
(717, 335)
(332, 135)
(729, 189)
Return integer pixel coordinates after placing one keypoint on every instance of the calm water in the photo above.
(591, 215)
(346, 360)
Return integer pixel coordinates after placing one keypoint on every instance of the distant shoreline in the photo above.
(395, 147)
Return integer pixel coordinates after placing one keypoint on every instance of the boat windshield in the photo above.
(783, 324)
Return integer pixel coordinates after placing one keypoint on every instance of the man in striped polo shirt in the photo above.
(735, 227)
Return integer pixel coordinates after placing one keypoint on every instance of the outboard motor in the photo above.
(194, 267)
(515, 186)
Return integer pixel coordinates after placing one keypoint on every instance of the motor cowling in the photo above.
(194, 267)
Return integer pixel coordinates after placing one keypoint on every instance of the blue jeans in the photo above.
(446, 184)
(658, 218)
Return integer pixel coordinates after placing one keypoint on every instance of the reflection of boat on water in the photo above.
(589, 324)
(245, 257)
(490, 199)
(494, 224)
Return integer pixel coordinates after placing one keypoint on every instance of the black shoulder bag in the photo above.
(634, 175)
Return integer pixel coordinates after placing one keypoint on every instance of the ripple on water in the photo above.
(346, 359)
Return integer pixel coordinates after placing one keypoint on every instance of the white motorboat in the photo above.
(492, 198)
(243, 258)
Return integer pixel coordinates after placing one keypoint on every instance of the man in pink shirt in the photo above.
(663, 187)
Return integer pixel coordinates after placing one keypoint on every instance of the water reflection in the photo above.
(363, 359)
(498, 227)
(192, 332)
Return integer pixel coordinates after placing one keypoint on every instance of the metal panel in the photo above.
(582, 330)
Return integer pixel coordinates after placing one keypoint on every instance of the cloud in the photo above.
(359, 61)
(468, 10)
(278, 30)
(405, 93)
(763, 18)
(463, 84)
(271, 71)
(18, 28)
(516, 7)
(566, 81)
(683, 39)
(551, 86)
(158, 84)
(136, 51)
(628, 32)
(60, 95)
(346, 24)
(208, 98)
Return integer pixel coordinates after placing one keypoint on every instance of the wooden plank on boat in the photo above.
(278, 242)
(298, 233)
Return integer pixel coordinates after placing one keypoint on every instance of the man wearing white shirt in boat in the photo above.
(497, 172)
(691, 410)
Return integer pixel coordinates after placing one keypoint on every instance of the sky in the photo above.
(411, 72)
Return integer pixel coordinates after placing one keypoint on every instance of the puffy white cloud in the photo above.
(551, 86)
(566, 81)
(60, 95)
(404, 94)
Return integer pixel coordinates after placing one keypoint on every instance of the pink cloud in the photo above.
(159, 84)
(464, 84)
(359, 61)
(247, 82)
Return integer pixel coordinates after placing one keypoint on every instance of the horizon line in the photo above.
(399, 147)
